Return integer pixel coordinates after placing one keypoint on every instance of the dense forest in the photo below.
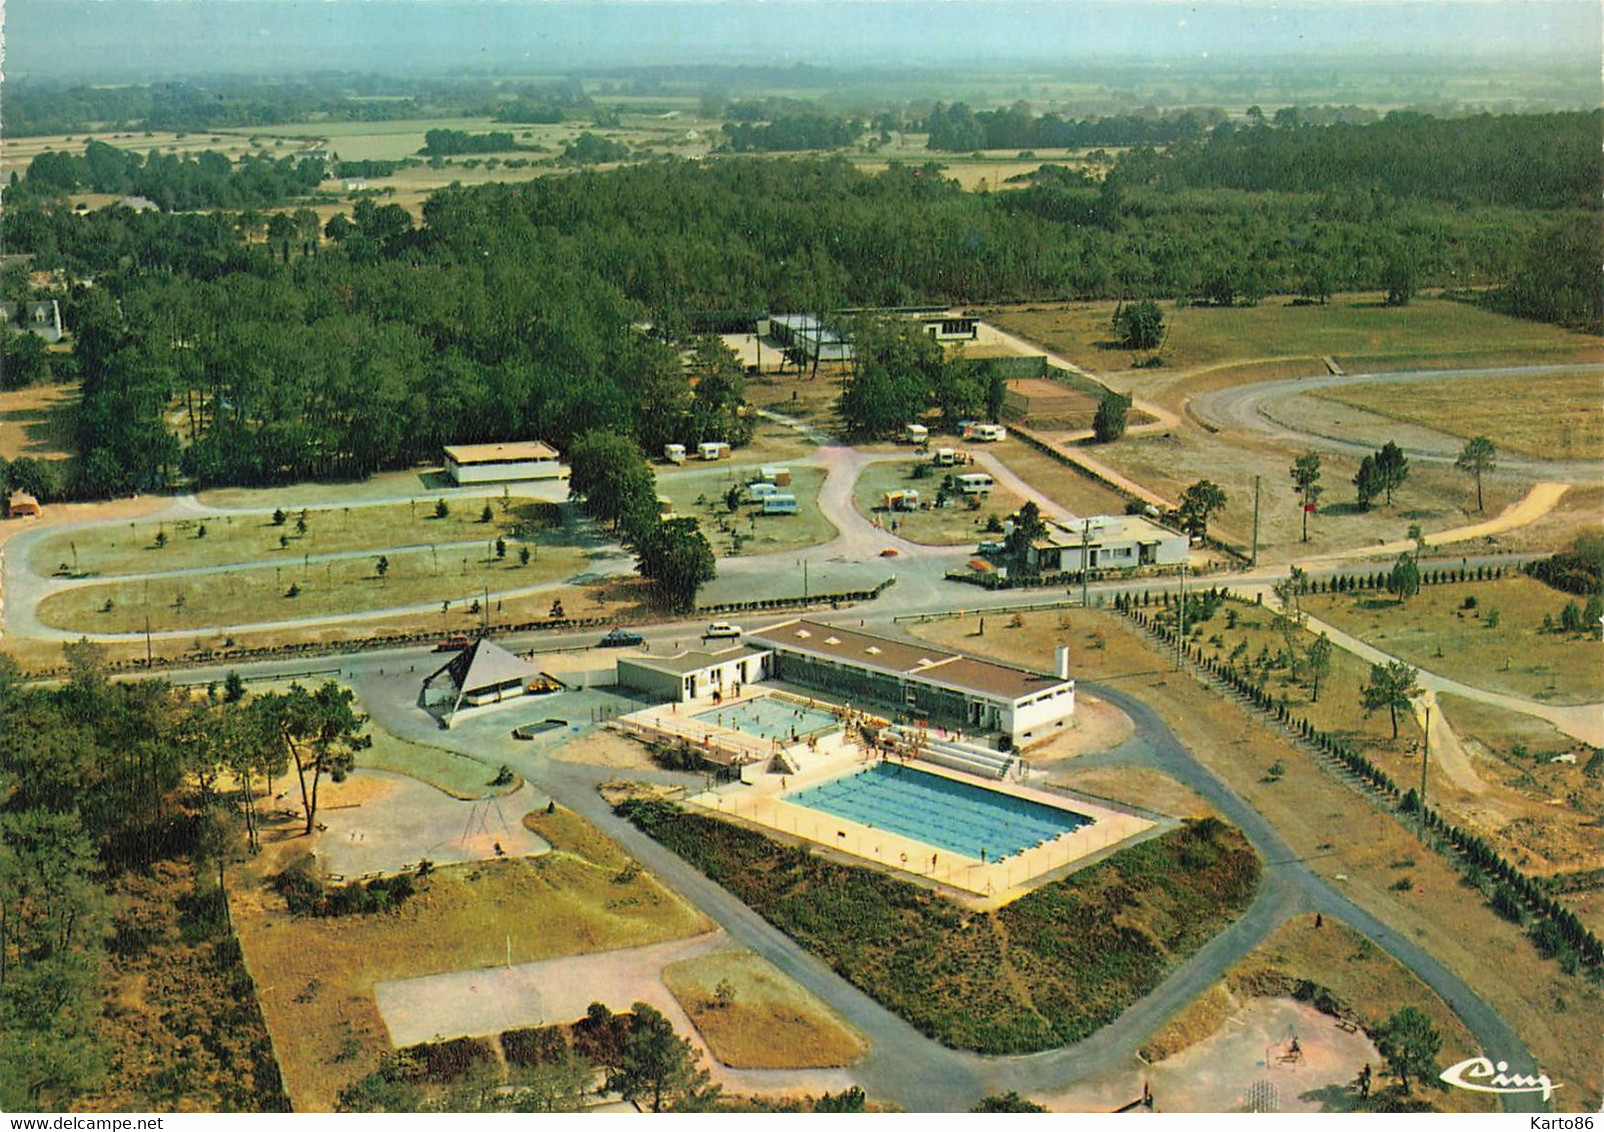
(121, 984)
(511, 310)
(793, 134)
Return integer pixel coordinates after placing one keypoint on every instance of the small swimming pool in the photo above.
(770, 717)
(942, 812)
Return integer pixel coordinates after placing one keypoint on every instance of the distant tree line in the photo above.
(451, 143)
(801, 132)
(959, 129)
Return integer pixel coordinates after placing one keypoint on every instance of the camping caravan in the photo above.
(915, 433)
(778, 476)
(989, 432)
(761, 491)
(906, 499)
(946, 457)
(779, 504)
(674, 453)
(974, 483)
(712, 450)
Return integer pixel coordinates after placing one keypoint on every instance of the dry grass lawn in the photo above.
(257, 594)
(955, 525)
(760, 533)
(37, 422)
(1339, 833)
(1432, 630)
(315, 977)
(460, 776)
(1135, 786)
(768, 1021)
(1368, 981)
(233, 540)
(1074, 491)
(1555, 417)
(1356, 329)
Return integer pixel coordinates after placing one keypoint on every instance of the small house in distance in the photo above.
(499, 463)
(41, 317)
(1109, 542)
(21, 505)
(483, 674)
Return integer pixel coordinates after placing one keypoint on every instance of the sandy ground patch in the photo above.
(1097, 725)
(397, 821)
(1216, 1075)
(1135, 786)
(609, 749)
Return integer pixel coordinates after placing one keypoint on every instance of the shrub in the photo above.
(535, 1045)
(441, 1063)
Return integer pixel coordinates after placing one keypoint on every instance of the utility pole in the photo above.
(1085, 558)
(1254, 561)
(148, 660)
(1180, 620)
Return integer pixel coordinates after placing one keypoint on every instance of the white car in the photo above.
(721, 630)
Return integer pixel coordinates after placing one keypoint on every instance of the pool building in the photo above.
(944, 688)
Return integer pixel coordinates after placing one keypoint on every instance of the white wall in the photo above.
(1031, 722)
(505, 471)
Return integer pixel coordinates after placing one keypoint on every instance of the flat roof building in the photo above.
(948, 688)
(690, 675)
(498, 463)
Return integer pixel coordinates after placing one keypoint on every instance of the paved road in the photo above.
(1252, 408)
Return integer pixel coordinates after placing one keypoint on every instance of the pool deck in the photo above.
(728, 745)
(980, 884)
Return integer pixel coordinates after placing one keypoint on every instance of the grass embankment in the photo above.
(461, 776)
(317, 976)
(763, 1020)
(954, 525)
(1555, 417)
(261, 594)
(1358, 330)
(1498, 643)
(1043, 971)
(759, 533)
(150, 546)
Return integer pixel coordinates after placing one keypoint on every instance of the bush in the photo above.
(441, 1063)
(535, 1045)
(305, 895)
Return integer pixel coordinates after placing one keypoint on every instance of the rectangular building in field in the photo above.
(810, 338)
(694, 674)
(1109, 543)
(946, 688)
(502, 463)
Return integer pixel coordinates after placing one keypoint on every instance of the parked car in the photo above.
(721, 630)
(454, 643)
(620, 638)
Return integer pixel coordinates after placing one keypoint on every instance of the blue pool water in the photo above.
(770, 718)
(950, 815)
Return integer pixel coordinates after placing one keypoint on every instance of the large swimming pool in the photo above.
(939, 811)
(769, 717)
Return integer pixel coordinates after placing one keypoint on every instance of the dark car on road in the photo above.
(620, 638)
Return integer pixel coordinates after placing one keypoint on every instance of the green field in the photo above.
(760, 533)
(1517, 655)
(461, 776)
(260, 594)
(237, 540)
(1556, 417)
(1356, 330)
(956, 525)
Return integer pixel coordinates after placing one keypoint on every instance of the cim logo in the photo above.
(1481, 1075)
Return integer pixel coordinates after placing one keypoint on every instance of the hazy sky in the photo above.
(155, 38)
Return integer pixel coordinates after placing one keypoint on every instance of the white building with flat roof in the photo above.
(927, 683)
(501, 463)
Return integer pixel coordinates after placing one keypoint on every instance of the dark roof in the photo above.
(923, 662)
(485, 665)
